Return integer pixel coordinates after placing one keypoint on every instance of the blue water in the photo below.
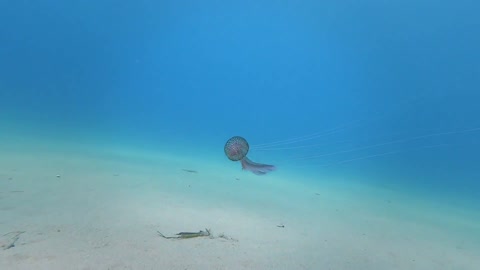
(153, 74)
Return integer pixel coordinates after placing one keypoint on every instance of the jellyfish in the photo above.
(294, 153)
(237, 148)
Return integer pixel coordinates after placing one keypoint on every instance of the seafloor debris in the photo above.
(223, 236)
(8, 240)
(186, 235)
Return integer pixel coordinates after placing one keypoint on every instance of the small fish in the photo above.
(190, 171)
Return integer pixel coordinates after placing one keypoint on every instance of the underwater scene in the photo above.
(333, 135)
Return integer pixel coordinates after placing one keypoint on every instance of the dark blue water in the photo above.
(191, 73)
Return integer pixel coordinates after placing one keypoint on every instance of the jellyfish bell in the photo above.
(236, 149)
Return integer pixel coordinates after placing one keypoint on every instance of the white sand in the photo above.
(105, 208)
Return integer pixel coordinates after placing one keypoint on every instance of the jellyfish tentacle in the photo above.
(256, 168)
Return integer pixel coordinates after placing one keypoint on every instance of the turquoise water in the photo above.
(361, 102)
(145, 73)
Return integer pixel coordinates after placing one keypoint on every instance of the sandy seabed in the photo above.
(69, 210)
